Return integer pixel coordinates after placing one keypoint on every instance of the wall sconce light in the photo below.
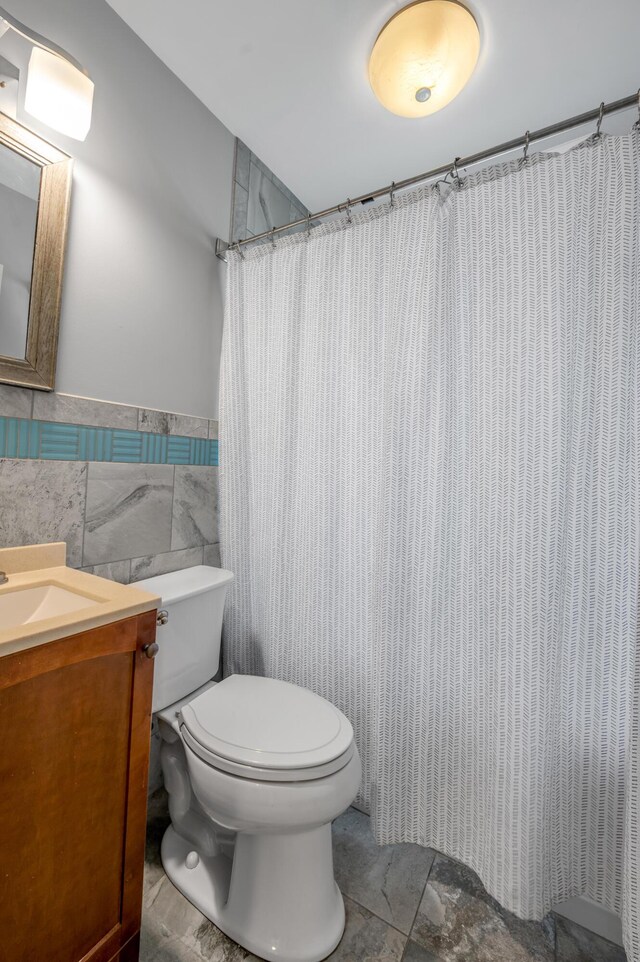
(423, 57)
(59, 91)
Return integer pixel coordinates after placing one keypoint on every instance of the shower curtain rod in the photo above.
(530, 137)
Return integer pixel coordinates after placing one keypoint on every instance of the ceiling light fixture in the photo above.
(59, 91)
(423, 57)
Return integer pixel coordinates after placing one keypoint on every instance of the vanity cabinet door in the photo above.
(75, 721)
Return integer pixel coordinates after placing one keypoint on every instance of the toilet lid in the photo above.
(267, 724)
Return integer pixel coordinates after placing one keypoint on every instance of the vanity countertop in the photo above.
(91, 601)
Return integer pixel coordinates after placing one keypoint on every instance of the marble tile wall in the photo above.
(124, 521)
(260, 200)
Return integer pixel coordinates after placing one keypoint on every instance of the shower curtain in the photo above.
(430, 500)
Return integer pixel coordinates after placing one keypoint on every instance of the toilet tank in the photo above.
(189, 644)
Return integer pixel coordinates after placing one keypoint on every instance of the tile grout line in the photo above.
(232, 209)
(84, 513)
(375, 915)
(173, 498)
(424, 889)
(419, 902)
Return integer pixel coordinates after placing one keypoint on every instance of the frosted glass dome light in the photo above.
(423, 57)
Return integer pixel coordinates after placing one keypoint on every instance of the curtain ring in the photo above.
(239, 250)
(600, 116)
(348, 210)
(525, 152)
(273, 238)
(309, 224)
(392, 191)
(636, 126)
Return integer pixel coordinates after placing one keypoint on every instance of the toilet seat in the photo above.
(266, 729)
(266, 774)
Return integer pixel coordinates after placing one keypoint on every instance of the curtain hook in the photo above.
(348, 210)
(525, 152)
(273, 237)
(392, 191)
(309, 224)
(600, 116)
(239, 250)
(455, 176)
(451, 173)
(636, 126)
(441, 180)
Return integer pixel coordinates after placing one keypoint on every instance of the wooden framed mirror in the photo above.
(35, 189)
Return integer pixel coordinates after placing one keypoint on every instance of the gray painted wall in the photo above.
(142, 302)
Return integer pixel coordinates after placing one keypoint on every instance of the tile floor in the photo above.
(404, 904)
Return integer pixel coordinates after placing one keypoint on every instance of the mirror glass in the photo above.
(19, 192)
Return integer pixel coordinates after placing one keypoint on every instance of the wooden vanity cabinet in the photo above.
(75, 719)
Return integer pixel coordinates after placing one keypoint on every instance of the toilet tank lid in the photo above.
(178, 585)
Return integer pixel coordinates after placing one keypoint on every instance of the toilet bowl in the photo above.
(256, 769)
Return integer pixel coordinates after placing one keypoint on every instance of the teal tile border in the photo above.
(56, 441)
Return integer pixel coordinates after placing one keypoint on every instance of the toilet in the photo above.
(256, 770)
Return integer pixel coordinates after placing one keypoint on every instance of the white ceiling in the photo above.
(290, 79)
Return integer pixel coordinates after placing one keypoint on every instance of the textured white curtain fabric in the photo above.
(431, 502)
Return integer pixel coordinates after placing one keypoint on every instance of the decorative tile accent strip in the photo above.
(58, 441)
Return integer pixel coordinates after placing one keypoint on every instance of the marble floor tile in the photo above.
(15, 402)
(157, 824)
(174, 931)
(43, 501)
(195, 512)
(210, 943)
(128, 511)
(367, 938)
(158, 948)
(173, 928)
(457, 920)
(168, 915)
(388, 880)
(417, 953)
(575, 944)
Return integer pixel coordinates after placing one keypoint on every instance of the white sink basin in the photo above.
(26, 605)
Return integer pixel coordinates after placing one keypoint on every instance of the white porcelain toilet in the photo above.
(256, 770)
